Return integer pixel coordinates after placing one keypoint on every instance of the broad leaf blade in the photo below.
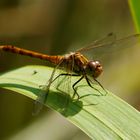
(135, 10)
(100, 117)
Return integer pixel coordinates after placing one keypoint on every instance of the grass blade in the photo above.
(100, 117)
(135, 10)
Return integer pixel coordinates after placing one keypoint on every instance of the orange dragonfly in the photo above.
(75, 63)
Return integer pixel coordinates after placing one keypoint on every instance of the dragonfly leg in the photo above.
(67, 74)
(88, 81)
(64, 74)
(100, 85)
(73, 86)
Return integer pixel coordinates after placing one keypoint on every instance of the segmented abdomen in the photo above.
(13, 49)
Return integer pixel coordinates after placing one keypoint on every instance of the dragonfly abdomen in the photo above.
(13, 49)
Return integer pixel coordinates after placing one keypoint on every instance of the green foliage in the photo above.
(100, 117)
(135, 10)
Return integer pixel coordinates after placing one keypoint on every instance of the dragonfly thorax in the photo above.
(93, 68)
(78, 63)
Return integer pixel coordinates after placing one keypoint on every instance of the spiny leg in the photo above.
(73, 86)
(88, 81)
(100, 86)
(64, 74)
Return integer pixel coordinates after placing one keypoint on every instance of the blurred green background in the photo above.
(57, 27)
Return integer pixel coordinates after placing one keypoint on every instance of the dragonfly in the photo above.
(77, 64)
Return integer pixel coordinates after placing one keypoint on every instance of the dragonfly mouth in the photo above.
(98, 71)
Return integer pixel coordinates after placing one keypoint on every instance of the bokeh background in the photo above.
(57, 27)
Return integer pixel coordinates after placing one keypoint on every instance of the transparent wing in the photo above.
(110, 44)
(110, 38)
(64, 82)
(42, 98)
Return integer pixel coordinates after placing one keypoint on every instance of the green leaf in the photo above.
(100, 117)
(135, 10)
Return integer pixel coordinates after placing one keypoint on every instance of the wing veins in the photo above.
(97, 44)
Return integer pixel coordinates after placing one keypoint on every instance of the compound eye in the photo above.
(97, 63)
(94, 64)
(94, 68)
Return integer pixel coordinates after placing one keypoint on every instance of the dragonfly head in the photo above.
(94, 68)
